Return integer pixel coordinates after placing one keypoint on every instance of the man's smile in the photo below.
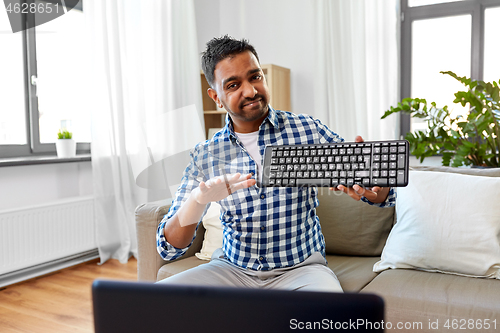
(252, 103)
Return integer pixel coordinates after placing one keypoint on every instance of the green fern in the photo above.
(461, 141)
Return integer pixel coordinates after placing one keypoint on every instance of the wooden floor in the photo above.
(59, 302)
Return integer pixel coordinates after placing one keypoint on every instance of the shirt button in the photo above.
(262, 196)
(261, 258)
(262, 228)
(252, 173)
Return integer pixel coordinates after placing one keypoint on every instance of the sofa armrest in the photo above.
(147, 218)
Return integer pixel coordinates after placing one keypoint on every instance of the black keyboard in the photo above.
(374, 163)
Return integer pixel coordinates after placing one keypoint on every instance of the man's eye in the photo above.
(231, 86)
(257, 77)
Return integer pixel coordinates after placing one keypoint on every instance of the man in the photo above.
(271, 236)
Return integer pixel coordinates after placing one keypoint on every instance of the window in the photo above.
(13, 129)
(41, 85)
(491, 45)
(446, 35)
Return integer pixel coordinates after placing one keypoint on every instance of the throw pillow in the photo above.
(486, 172)
(352, 227)
(447, 222)
(212, 239)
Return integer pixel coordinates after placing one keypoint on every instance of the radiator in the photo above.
(36, 235)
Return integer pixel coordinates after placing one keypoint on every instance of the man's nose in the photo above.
(249, 90)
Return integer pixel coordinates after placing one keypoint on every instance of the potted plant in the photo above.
(470, 140)
(65, 145)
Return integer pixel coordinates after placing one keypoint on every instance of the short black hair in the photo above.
(219, 49)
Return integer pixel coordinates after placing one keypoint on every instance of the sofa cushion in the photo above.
(354, 273)
(447, 223)
(416, 296)
(178, 266)
(352, 227)
(212, 239)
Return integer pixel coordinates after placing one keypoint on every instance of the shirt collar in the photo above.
(272, 118)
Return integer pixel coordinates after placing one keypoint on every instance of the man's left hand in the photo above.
(375, 194)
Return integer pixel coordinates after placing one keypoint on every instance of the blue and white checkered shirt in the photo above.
(263, 228)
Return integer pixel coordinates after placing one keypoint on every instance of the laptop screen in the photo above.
(147, 307)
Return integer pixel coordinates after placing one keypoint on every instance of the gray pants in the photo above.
(311, 275)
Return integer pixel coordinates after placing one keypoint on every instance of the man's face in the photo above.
(241, 88)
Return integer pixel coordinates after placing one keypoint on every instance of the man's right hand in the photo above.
(180, 228)
(218, 188)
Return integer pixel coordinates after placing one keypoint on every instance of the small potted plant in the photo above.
(65, 145)
(472, 140)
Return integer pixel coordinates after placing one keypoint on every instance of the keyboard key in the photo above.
(314, 182)
(401, 177)
(362, 174)
(401, 161)
(379, 181)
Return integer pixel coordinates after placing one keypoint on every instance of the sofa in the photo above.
(434, 258)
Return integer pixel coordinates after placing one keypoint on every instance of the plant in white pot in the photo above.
(65, 145)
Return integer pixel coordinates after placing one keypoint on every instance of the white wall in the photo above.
(282, 32)
(24, 186)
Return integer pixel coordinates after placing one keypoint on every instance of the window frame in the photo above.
(34, 147)
(475, 8)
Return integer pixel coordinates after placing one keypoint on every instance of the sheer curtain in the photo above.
(146, 105)
(357, 66)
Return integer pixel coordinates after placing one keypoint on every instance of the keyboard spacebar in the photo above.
(312, 182)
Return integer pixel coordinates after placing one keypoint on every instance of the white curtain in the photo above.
(144, 95)
(357, 66)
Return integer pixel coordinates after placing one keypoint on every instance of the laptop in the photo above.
(143, 307)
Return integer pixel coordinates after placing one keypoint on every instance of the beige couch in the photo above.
(355, 235)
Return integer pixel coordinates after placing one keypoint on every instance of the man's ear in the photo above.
(213, 95)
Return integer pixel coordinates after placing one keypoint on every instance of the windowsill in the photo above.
(42, 159)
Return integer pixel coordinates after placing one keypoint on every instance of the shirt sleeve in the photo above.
(331, 136)
(326, 133)
(191, 178)
(389, 202)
